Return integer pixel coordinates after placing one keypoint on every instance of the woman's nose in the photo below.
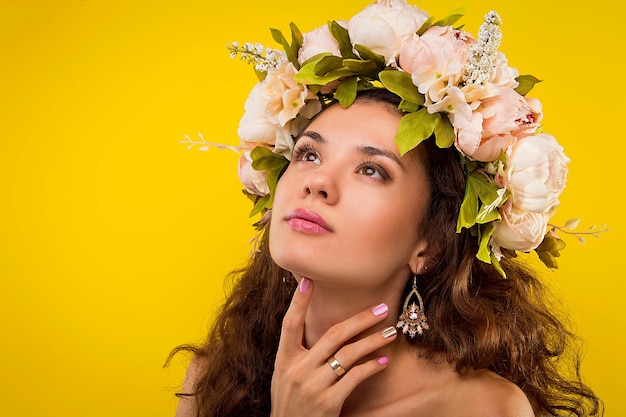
(321, 184)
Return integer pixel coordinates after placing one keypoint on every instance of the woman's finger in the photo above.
(341, 333)
(293, 322)
(344, 387)
(354, 353)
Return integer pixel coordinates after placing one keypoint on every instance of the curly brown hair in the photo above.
(478, 320)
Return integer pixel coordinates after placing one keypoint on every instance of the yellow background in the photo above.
(114, 239)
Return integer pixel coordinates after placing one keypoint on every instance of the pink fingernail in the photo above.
(304, 284)
(380, 309)
(383, 360)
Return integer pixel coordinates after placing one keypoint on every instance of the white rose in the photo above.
(255, 182)
(519, 230)
(319, 41)
(254, 126)
(538, 173)
(385, 25)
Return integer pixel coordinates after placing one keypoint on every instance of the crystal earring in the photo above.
(413, 320)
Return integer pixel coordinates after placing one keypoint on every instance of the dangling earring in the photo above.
(413, 320)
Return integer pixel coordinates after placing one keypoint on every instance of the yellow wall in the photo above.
(114, 239)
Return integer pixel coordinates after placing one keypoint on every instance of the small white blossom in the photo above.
(481, 62)
(257, 55)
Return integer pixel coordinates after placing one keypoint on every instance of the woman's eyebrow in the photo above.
(313, 135)
(373, 151)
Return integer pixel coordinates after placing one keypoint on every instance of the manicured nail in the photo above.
(383, 360)
(304, 284)
(389, 331)
(380, 309)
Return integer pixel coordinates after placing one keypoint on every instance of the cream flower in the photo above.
(319, 41)
(385, 25)
(272, 107)
(255, 182)
(503, 75)
(435, 60)
(538, 169)
(455, 105)
(254, 126)
(519, 229)
(285, 97)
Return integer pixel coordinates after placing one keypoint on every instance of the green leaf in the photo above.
(425, 26)
(552, 245)
(469, 208)
(400, 83)
(484, 235)
(278, 36)
(343, 39)
(261, 75)
(444, 132)
(526, 83)
(272, 180)
(260, 205)
(296, 38)
(496, 264)
(328, 64)
(413, 129)
(307, 74)
(263, 159)
(346, 91)
(479, 193)
(292, 54)
(451, 18)
(548, 260)
(369, 55)
(316, 58)
(363, 68)
(408, 107)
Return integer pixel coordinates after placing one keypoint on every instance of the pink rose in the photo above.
(435, 60)
(498, 123)
(255, 182)
(510, 112)
(385, 25)
(538, 175)
(319, 41)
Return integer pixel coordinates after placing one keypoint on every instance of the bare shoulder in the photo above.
(186, 402)
(486, 394)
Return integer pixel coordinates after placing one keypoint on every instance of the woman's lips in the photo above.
(307, 221)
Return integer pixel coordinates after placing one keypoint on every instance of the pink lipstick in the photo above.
(307, 221)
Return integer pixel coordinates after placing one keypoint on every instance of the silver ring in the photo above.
(336, 366)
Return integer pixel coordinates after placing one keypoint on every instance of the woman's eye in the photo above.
(306, 154)
(309, 157)
(374, 171)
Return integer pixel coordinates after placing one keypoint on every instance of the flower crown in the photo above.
(453, 87)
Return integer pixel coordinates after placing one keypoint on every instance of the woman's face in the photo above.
(348, 206)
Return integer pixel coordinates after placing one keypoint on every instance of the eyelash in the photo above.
(368, 163)
(305, 149)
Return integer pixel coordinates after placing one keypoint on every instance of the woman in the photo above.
(378, 213)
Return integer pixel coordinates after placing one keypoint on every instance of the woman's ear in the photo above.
(419, 258)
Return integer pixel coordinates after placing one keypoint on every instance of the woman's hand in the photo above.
(304, 381)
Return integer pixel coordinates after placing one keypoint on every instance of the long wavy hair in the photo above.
(477, 319)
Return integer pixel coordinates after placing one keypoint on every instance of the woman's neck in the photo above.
(332, 304)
